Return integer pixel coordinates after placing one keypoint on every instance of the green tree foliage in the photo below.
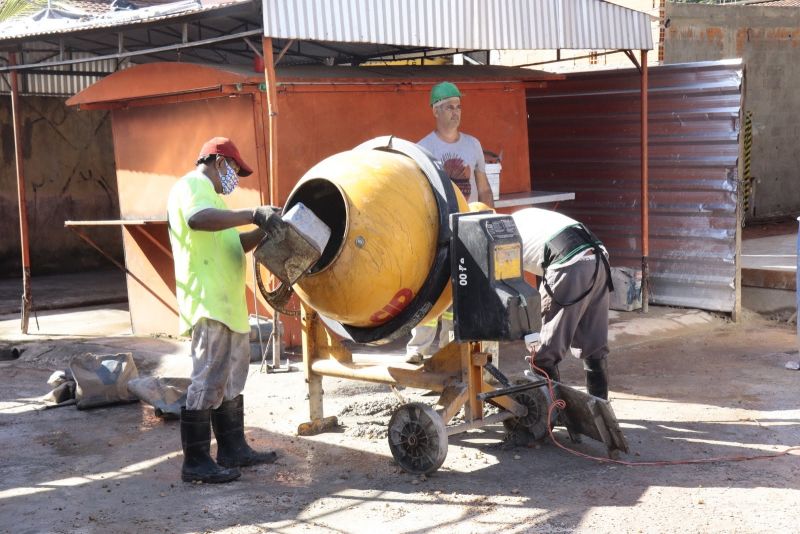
(10, 9)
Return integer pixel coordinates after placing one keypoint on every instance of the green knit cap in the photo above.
(443, 91)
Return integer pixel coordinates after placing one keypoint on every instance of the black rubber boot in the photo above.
(597, 377)
(232, 448)
(196, 441)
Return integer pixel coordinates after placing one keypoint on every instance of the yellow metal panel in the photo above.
(507, 262)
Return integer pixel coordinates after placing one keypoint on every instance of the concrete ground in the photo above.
(685, 385)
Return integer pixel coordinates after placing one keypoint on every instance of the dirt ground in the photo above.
(684, 385)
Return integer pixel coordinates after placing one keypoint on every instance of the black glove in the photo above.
(262, 214)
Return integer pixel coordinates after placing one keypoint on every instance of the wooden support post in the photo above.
(272, 111)
(310, 325)
(395, 375)
(472, 376)
(451, 401)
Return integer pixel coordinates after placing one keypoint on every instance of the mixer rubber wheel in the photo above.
(535, 421)
(417, 438)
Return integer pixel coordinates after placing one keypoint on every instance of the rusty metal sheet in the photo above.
(584, 137)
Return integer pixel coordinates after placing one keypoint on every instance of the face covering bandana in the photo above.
(229, 180)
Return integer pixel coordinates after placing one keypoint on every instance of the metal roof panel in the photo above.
(27, 27)
(462, 24)
(161, 79)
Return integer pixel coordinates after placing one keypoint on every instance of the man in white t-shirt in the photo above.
(461, 157)
(460, 154)
(572, 265)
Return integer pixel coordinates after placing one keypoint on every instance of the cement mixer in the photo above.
(400, 246)
(386, 267)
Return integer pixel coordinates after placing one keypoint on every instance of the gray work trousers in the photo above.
(423, 337)
(221, 359)
(583, 326)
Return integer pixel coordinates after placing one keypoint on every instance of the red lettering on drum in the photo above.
(398, 303)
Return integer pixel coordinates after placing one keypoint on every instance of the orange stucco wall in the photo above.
(155, 144)
(316, 122)
(154, 147)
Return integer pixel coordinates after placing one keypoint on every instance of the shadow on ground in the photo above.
(712, 392)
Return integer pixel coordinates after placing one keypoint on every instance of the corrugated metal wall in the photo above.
(67, 84)
(584, 137)
(469, 24)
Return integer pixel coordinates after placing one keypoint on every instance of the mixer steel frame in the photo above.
(455, 372)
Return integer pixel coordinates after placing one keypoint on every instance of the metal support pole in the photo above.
(23, 207)
(277, 342)
(797, 290)
(645, 191)
(791, 364)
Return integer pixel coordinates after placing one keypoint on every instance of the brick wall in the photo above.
(768, 41)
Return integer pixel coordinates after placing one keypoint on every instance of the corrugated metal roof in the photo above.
(464, 24)
(58, 81)
(27, 27)
(584, 137)
(215, 31)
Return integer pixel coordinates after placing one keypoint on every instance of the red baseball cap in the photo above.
(225, 147)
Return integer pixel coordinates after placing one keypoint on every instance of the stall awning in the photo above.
(462, 24)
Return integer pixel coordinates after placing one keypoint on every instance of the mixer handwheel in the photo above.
(417, 438)
(276, 293)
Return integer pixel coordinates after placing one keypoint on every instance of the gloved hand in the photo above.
(262, 213)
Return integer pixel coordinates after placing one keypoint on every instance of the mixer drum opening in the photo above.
(324, 199)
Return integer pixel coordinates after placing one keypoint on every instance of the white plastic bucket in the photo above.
(493, 174)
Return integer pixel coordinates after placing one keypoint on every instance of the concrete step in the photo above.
(770, 292)
(769, 278)
(769, 263)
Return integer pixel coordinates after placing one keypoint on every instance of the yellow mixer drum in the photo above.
(385, 225)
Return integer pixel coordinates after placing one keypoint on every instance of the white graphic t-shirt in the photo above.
(460, 160)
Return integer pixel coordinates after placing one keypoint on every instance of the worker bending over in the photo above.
(209, 256)
(575, 280)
